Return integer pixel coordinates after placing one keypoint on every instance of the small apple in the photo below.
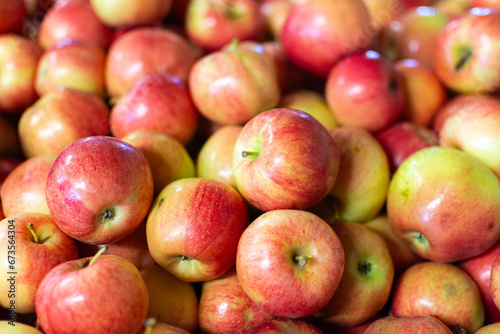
(122, 13)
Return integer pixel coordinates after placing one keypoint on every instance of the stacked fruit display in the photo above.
(249, 166)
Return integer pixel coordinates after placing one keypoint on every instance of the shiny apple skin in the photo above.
(20, 328)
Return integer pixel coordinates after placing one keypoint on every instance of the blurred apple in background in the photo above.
(152, 326)
(60, 118)
(159, 102)
(290, 262)
(485, 3)
(275, 13)
(441, 290)
(364, 90)
(490, 329)
(453, 8)
(9, 141)
(19, 328)
(417, 324)
(99, 189)
(12, 14)
(284, 326)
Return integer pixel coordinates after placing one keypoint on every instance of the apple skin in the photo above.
(417, 324)
(132, 57)
(194, 226)
(441, 290)
(33, 260)
(12, 14)
(275, 13)
(161, 328)
(290, 262)
(284, 326)
(19, 328)
(465, 53)
(9, 141)
(440, 198)
(485, 3)
(367, 279)
(317, 33)
(489, 329)
(18, 62)
(225, 307)
(495, 281)
(122, 13)
(24, 189)
(99, 189)
(60, 118)
(288, 142)
(109, 296)
(211, 24)
(364, 90)
(171, 300)
(159, 102)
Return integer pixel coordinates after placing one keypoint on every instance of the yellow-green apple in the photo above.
(401, 254)
(143, 51)
(78, 65)
(285, 159)
(211, 24)
(441, 290)
(18, 328)
(424, 93)
(402, 139)
(60, 118)
(364, 90)
(167, 157)
(99, 189)
(367, 279)
(103, 294)
(231, 86)
(465, 52)
(312, 103)
(12, 14)
(284, 325)
(33, 246)
(214, 161)
(159, 102)
(275, 13)
(453, 8)
(126, 13)
(194, 226)
(225, 307)
(363, 178)
(473, 126)
(485, 3)
(18, 62)
(317, 33)
(290, 262)
(24, 189)
(171, 300)
(479, 268)
(417, 324)
(9, 140)
(73, 20)
(489, 329)
(442, 197)
(152, 326)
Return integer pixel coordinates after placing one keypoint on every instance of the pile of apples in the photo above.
(249, 166)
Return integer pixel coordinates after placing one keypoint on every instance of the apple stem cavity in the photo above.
(149, 324)
(107, 215)
(464, 54)
(364, 267)
(418, 237)
(246, 154)
(32, 230)
(300, 260)
(99, 253)
(185, 258)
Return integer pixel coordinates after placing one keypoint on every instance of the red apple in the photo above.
(275, 13)
(485, 3)
(453, 8)
(284, 326)
(12, 14)
(290, 262)
(99, 189)
(495, 282)
(417, 324)
(122, 13)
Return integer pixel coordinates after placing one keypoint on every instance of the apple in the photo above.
(489, 329)
(284, 159)
(142, 51)
(171, 300)
(284, 326)
(364, 90)
(73, 20)
(18, 62)
(9, 141)
(24, 189)
(18, 328)
(441, 290)
(152, 326)
(194, 226)
(159, 102)
(290, 263)
(317, 33)
(60, 118)
(417, 324)
(382, 13)
(33, 246)
(211, 24)
(120, 13)
(225, 307)
(485, 3)
(103, 294)
(367, 279)
(453, 8)
(99, 189)
(440, 198)
(465, 51)
(275, 13)
(12, 14)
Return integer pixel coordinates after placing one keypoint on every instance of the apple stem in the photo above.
(32, 230)
(37, 324)
(246, 154)
(233, 45)
(301, 260)
(148, 324)
(99, 253)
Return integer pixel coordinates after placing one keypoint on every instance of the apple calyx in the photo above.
(364, 267)
(99, 253)
(393, 85)
(456, 329)
(149, 324)
(33, 233)
(185, 258)
(106, 215)
(300, 260)
(463, 55)
(247, 154)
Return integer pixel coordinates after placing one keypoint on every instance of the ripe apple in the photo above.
(194, 226)
(37, 245)
(317, 33)
(441, 290)
(122, 13)
(152, 326)
(12, 14)
(440, 198)
(225, 307)
(489, 329)
(103, 294)
(275, 13)
(417, 324)
(99, 189)
(9, 141)
(284, 326)
(19, 328)
(485, 3)
(60, 118)
(289, 262)
(364, 90)
(285, 159)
